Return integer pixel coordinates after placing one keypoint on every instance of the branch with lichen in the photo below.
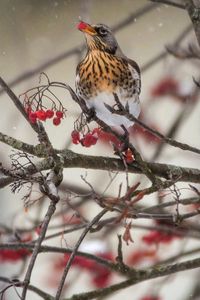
(70, 159)
(49, 184)
(139, 276)
(135, 275)
(161, 176)
(75, 160)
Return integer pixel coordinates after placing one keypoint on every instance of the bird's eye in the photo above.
(103, 31)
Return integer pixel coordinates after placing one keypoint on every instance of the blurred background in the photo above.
(38, 36)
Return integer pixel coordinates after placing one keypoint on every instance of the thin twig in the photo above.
(158, 57)
(119, 257)
(43, 229)
(170, 2)
(17, 103)
(81, 238)
(32, 288)
(167, 140)
(181, 255)
(187, 201)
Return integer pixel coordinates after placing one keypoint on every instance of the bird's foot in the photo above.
(90, 114)
(125, 143)
(126, 155)
(123, 150)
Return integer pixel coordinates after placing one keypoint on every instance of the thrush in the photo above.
(105, 71)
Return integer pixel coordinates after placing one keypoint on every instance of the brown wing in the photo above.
(134, 66)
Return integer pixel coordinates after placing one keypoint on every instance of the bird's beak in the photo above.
(86, 28)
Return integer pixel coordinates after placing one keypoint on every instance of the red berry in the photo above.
(96, 132)
(59, 114)
(56, 121)
(75, 137)
(11, 255)
(151, 298)
(41, 115)
(166, 86)
(32, 117)
(129, 156)
(49, 113)
(109, 138)
(28, 109)
(89, 140)
(159, 237)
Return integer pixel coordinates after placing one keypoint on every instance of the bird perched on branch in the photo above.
(106, 71)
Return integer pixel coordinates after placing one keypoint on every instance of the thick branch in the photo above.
(75, 160)
(114, 266)
(19, 145)
(17, 103)
(138, 277)
(194, 13)
(53, 249)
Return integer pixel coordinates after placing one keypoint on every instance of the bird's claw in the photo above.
(90, 114)
(125, 144)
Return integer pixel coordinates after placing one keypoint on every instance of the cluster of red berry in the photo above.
(43, 115)
(166, 86)
(155, 237)
(87, 140)
(141, 255)
(100, 275)
(15, 255)
(151, 298)
(128, 155)
(10, 255)
(91, 139)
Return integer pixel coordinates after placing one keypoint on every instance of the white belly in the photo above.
(113, 119)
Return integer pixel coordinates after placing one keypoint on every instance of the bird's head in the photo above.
(99, 37)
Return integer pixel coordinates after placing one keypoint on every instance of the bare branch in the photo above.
(167, 140)
(68, 265)
(19, 145)
(32, 288)
(17, 103)
(164, 53)
(75, 160)
(171, 3)
(194, 12)
(139, 276)
(186, 201)
(51, 209)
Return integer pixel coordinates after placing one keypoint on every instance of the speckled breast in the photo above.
(102, 72)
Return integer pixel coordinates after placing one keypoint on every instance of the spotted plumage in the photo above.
(106, 70)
